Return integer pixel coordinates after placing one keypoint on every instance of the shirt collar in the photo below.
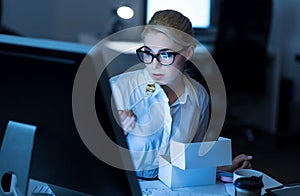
(183, 98)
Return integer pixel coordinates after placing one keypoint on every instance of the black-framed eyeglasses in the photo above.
(165, 58)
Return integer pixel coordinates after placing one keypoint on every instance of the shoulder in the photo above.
(199, 88)
(197, 93)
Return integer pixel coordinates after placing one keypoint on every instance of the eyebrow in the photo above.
(161, 50)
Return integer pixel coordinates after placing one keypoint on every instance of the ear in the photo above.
(190, 52)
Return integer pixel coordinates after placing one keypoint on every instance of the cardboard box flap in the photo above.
(175, 177)
(201, 154)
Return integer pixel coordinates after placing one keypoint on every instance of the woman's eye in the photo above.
(147, 53)
(165, 55)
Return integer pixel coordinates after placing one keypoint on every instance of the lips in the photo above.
(157, 76)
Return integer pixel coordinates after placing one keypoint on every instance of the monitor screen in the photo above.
(198, 11)
(36, 83)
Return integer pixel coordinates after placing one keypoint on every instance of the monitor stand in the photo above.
(15, 158)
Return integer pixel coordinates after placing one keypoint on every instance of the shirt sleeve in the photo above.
(204, 109)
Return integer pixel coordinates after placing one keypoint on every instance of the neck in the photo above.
(174, 91)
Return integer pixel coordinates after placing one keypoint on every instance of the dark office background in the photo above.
(270, 125)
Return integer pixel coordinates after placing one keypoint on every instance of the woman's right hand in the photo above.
(128, 120)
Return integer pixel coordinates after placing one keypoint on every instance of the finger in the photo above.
(246, 165)
(128, 123)
(242, 157)
(128, 128)
(249, 165)
(130, 113)
(245, 157)
(122, 115)
(129, 119)
(125, 122)
(131, 125)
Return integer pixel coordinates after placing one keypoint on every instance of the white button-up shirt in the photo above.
(158, 123)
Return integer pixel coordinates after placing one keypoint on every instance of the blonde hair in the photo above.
(174, 25)
(177, 28)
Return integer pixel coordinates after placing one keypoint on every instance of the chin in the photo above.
(160, 82)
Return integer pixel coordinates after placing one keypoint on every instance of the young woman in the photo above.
(161, 103)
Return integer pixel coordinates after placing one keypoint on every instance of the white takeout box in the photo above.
(175, 177)
(194, 164)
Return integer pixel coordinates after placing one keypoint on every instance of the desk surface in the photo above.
(156, 187)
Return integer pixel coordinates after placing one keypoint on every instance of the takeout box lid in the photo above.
(201, 154)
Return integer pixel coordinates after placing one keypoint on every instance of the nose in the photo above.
(156, 64)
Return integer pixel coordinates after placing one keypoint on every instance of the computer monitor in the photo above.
(198, 11)
(36, 84)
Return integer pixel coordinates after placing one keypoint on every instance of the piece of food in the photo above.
(150, 88)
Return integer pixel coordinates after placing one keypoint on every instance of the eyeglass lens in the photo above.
(165, 58)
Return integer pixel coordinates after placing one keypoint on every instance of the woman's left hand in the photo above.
(241, 161)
